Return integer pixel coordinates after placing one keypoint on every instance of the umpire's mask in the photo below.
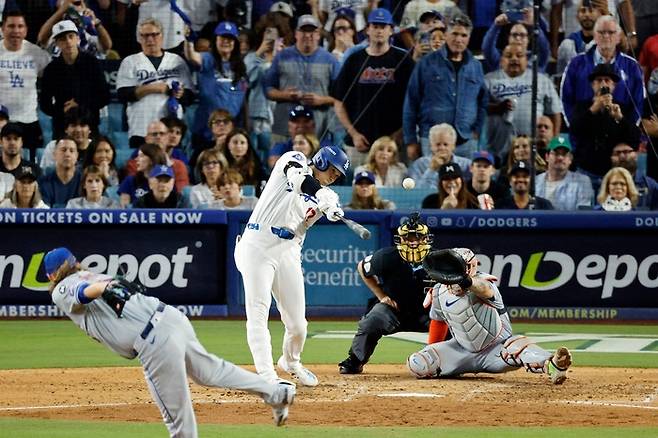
(413, 240)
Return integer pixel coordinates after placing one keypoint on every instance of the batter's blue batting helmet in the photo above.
(56, 258)
(331, 155)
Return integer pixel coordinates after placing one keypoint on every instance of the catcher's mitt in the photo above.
(447, 266)
(118, 291)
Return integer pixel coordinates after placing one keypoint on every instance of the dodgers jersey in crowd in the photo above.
(474, 322)
(97, 318)
(282, 204)
(19, 71)
(137, 70)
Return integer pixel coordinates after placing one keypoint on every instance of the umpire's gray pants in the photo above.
(380, 321)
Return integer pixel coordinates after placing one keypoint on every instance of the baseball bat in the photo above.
(358, 229)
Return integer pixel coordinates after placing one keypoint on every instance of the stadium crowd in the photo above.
(189, 103)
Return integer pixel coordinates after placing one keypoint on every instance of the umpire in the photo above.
(397, 279)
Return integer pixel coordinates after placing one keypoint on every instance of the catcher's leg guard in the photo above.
(426, 363)
(520, 351)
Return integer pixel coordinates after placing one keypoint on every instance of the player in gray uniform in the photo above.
(482, 339)
(135, 325)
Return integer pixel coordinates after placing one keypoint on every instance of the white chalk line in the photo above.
(608, 404)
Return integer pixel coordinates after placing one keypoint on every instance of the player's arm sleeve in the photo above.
(298, 174)
(496, 300)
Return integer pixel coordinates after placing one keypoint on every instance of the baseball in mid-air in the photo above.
(408, 183)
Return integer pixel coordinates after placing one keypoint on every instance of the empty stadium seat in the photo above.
(120, 140)
(112, 192)
(115, 117)
(123, 155)
(46, 126)
(403, 199)
(185, 195)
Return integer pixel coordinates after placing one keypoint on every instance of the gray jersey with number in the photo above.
(98, 319)
(475, 323)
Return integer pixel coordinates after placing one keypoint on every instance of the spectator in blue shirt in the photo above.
(222, 79)
(63, 183)
(302, 74)
(446, 86)
(518, 32)
(565, 189)
(575, 87)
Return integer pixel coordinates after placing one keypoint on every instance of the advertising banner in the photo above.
(182, 265)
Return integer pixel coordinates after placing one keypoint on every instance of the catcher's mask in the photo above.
(471, 260)
(413, 240)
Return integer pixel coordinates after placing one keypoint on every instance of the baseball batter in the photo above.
(482, 339)
(116, 314)
(268, 255)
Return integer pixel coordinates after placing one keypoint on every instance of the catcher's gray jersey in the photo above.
(98, 319)
(474, 322)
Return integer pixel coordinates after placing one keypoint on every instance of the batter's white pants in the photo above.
(272, 266)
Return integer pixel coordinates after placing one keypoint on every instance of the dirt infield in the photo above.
(384, 395)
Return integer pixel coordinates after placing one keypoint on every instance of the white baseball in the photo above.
(408, 183)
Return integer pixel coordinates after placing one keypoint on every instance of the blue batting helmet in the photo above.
(56, 258)
(331, 155)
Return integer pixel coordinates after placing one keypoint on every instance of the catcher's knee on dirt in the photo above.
(521, 351)
(425, 364)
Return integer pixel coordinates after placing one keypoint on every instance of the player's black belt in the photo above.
(149, 326)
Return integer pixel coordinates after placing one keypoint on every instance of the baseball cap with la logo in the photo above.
(226, 28)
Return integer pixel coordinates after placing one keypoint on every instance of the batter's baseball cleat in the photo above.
(303, 375)
(351, 365)
(285, 398)
(558, 365)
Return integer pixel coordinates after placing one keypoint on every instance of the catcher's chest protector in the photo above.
(474, 323)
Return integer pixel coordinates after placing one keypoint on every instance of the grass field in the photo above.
(56, 344)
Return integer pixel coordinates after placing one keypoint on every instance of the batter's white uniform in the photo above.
(19, 71)
(268, 256)
(137, 70)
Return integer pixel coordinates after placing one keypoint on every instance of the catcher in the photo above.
(397, 279)
(482, 340)
(115, 313)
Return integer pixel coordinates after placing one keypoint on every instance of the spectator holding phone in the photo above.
(600, 124)
(429, 21)
(516, 28)
(257, 62)
(343, 36)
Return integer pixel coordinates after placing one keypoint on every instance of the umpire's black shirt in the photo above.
(399, 279)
